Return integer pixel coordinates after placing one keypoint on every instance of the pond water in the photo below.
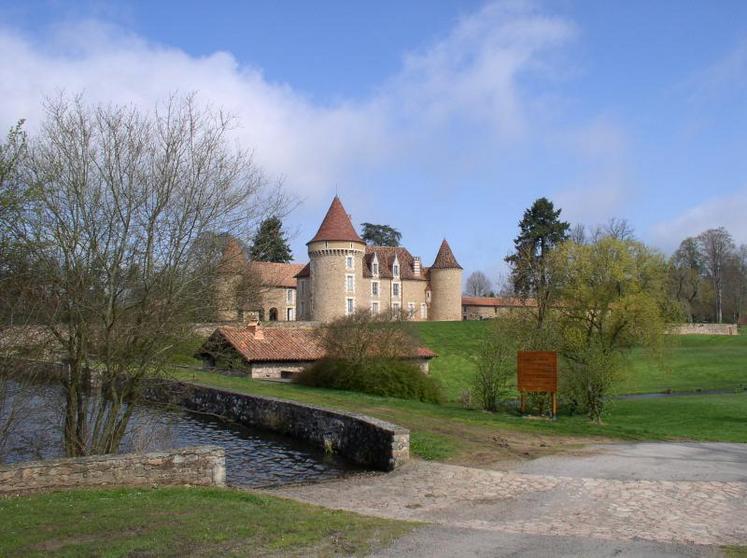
(254, 457)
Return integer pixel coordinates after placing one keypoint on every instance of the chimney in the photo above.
(255, 330)
(416, 265)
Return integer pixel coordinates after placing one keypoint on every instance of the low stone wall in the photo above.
(703, 329)
(362, 440)
(202, 465)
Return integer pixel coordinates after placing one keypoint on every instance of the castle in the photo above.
(345, 275)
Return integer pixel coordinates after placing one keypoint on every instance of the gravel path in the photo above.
(662, 497)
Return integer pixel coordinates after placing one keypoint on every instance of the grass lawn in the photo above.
(689, 363)
(182, 521)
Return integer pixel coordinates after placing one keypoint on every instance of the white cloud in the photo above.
(724, 211)
(470, 76)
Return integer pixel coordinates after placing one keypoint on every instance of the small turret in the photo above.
(446, 286)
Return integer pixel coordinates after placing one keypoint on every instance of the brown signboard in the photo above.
(537, 371)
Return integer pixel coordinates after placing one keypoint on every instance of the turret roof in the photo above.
(445, 258)
(336, 225)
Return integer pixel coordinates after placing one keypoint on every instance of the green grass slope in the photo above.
(182, 522)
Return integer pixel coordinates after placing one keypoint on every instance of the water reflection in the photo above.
(253, 457)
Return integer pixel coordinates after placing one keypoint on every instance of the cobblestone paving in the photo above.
(692, 512)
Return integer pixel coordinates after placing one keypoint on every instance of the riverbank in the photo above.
(183, 521)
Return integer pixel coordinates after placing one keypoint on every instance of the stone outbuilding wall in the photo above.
(703, 329)
(202, 465)
(362, 440)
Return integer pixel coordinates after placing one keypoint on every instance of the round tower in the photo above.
(446, 286)
(230, 270)
(336, 265)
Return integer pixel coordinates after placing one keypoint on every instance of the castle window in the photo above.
(289, 296)
(375, 268)
(424, 311)
(428, 296)
(395, 309)
(395, 289)
(395, 270)
(349, 306)
(349, 283)
(374, 288)
(410, 310)
(374, 308)
(349, 262)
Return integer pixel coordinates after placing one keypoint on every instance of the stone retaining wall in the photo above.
(703, 329)
(362, 440)
(202, 465)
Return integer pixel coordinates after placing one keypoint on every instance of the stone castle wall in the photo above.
(703, 329)
(446, 292)
(328, 271)
(202, 465)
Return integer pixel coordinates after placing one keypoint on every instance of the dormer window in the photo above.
(395, 267)
(375, 266)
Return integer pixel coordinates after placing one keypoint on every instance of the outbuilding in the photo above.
(273, 352)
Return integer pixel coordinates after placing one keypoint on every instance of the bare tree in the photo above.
(478, 284)
(619, 229)
(578, 234)
(362, 335)
(686, 271)
(124, 197)
(716, 247)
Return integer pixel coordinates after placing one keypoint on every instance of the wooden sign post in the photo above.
(537, 372)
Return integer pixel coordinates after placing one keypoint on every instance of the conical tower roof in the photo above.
(233, 258)
(445, 258)
(336, 225)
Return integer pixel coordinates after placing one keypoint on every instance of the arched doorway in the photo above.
(273, 314)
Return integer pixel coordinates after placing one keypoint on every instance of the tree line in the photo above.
(706, 275)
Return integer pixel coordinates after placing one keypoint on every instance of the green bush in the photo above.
(384, 377)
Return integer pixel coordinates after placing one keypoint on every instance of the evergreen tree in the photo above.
(540, 230)
(380, 235)
(270, 243)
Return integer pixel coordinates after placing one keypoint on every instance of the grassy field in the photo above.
(689, 362)
(451, 432)
(182, 521)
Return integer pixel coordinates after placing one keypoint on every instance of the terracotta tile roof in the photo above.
(273, 274)
(305, 272)
(336, 225)
(278, 344)
(385, 256)
(498, 301)
(445, 258)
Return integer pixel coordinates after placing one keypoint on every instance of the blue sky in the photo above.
(443, 119)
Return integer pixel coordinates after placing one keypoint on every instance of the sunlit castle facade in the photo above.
(344, 275)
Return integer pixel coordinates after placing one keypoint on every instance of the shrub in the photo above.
(495, 364)
(384, 377)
